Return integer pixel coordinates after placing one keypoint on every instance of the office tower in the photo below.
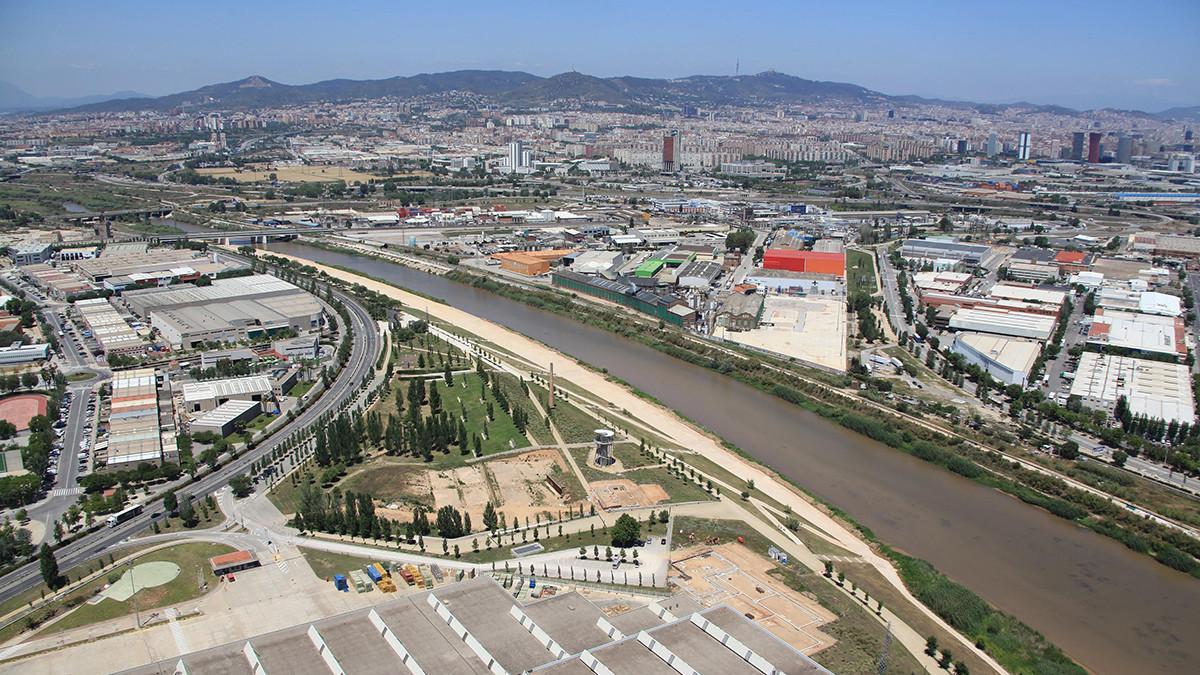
(962, 147)
(1187, 135)
(1023, 146)
(993, 145)
(1077, 146)
(892, 116)
(516, 155)
(670, 151)
(1124, 149)
(1093, 156)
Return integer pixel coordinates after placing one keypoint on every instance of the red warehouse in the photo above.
(805, 261)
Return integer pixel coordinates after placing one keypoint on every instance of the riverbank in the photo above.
(670, 425)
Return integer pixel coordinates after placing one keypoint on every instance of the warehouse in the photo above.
(114, 262)
(796, 283)
(224, 419)
(1002, 322)
(1152, 388)
(109, 329)
(1138, 332)
(530, 263)
(805, 261)
(624, 292)
(592, 262)
(941, 282)
(475, 626)
(971, 255)
(134, 433)
(699, 274)
(302, 347)
(229, 310)
(1052, 297)
(17, 353)
(207, 395)
(1006, 359)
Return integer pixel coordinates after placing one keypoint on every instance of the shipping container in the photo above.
(374, 573)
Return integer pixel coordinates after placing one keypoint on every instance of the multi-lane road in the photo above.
(366, 345)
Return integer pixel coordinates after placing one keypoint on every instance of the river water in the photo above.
(1112, 610)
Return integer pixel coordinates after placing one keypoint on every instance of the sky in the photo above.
(1082, 54)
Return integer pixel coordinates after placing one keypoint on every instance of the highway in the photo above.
(366, 345)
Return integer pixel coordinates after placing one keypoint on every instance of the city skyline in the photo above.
(1063, 56)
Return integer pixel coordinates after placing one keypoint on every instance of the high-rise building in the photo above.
(516, 156)
(1077, 146)
(1124, 149)
(670, 151)
(993, 145)
(961, 146)
(1093, 156)
(1023, 146)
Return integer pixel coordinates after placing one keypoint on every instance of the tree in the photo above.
(1069, 450)
(49, 564)
(626, 532)
(1119, 457)
(931, 645)
(240, 484)
(188, 514)
(489, 517)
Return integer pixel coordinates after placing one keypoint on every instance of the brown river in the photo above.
(1111, 609)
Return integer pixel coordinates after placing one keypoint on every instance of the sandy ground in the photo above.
(668, 423)
(624, 493)
(811, 329)
(515, 485)
(309, 174)
(734, 575)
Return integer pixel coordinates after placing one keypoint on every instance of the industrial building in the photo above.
(1040, 295)
(116, 262)
(31, 253)
(136, 432)
(1152, 388)
(207, 395)
(698, 274)
(971, 255)
(668, 308)
(740, 311)
(1138, 332)
(796, 283)
(109, 329)
(1003, 322)
(18, 354)
(805, 261)
(941, 282)
(224, 419)
(240, 308)
(301, 347)
(1008, 360)
(475, 626)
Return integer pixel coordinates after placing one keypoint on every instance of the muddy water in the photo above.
(1111, 609)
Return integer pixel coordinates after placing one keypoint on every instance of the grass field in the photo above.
(860, 272)
(326, 564)
(383, 479)
(573, 424)
(463, 399)
(80, 377)
(205, 517)
(47, 194)
(192, 560)
(291, 174)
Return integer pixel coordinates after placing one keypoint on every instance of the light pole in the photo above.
(133, 596)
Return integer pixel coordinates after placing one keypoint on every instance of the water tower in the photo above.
(604, 443)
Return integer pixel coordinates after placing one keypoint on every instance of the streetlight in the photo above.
(133, 596)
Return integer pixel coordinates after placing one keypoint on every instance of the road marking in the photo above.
(181, 642)
(65, 492)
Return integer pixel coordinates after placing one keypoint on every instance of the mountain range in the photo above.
(15, 99)
(520, 89)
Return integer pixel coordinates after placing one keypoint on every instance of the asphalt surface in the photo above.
(366, 344)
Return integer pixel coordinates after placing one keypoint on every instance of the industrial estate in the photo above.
(484, 371)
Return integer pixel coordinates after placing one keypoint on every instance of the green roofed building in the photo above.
(649, 268)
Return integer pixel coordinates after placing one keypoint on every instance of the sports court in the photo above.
(145, 575)
(734, 575)
(21, 408)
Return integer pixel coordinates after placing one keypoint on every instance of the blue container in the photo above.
(339, 582)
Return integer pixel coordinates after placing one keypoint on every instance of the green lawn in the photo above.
(205, 516)
(860, 272)
(573, 424)
(191, 558)
(80, 377)
(286, 495)
(301, 389)
(465, 396)
(325, 564)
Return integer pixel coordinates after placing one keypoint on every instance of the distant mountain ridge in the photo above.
(15, 99)
(520, 89)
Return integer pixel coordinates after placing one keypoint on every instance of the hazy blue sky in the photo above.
(1079, 53)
